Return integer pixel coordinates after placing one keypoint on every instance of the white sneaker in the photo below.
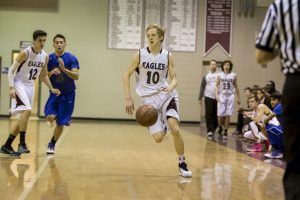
(209, 134)
(51, 148)
(184, 171)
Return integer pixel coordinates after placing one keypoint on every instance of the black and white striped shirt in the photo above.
(280, 30)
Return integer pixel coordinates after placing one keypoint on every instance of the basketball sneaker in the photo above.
(22, 148)
(224, 136)
(256, 147)
(209, 134)
(183, 170)
(274, 154)
(51, 148)
(9, 151)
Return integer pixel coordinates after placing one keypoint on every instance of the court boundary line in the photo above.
(28, 187)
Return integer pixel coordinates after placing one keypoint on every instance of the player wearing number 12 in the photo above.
(30, 64)
(152, 65)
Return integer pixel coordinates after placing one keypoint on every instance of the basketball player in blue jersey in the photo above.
(152, 64)
(28, 65)
(226, 86)
(63, 69)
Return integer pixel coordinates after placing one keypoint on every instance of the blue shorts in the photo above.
(62, 107)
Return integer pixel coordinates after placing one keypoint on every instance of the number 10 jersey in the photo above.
(152, 72)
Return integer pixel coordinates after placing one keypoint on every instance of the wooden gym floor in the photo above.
(120, 160)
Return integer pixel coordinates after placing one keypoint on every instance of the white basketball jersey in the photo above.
(211, 79)
(152, 72)
(227, 83)
(30, 69)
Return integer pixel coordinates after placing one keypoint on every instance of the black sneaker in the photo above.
(9, 151)
(22, 148)
(183, 170)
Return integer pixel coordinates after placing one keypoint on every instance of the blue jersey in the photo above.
(62, 81)
(278, 112)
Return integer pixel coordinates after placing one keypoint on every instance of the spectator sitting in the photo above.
(270, 87)
(240, 117)
(264, 99)
(259, 113)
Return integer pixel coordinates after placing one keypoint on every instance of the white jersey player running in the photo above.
(226, 87)
(23, 81)
(28, 65)
(152, 65)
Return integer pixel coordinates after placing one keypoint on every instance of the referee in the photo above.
(280, 36)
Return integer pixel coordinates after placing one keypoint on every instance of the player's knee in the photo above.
(175, 130)
(158, 137)
(158, 140)
(50, 118)
(27, 112)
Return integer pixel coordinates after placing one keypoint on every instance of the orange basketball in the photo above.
(146, 115)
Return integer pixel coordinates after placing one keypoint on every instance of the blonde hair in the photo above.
(160, 30)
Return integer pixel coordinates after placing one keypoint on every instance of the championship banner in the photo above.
(218, 25)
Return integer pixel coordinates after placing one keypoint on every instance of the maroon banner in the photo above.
(218, 25)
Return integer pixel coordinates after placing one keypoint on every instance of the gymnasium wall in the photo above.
(99, 88)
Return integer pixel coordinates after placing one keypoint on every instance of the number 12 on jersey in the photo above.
(32, 74)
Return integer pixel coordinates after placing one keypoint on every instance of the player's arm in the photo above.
(12, 70)
(54, 71)
(73, 74)
(269, 117)
(202, 89)
(237, 90)
(44, 77)
(172, 74)
(261, 110)
(263, 57)
(126, 83)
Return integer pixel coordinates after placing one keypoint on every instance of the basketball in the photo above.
(146, 115)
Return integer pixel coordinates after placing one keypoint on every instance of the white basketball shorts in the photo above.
(226, 105)
(167, 105)
(24, 98)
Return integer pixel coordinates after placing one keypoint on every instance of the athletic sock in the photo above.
(53, 140)
(9, 140)
(22, 137)
(181, 158)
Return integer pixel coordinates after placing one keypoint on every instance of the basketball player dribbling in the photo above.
(29, 64)
(152, 65)
(226, 86)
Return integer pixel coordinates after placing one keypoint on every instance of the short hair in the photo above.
(59, 36)
(38, 33)
(248, 88)
(160, 30)
(253, 96)
(260, 89)
(230, 65)
(271, 83)
(276, 95)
